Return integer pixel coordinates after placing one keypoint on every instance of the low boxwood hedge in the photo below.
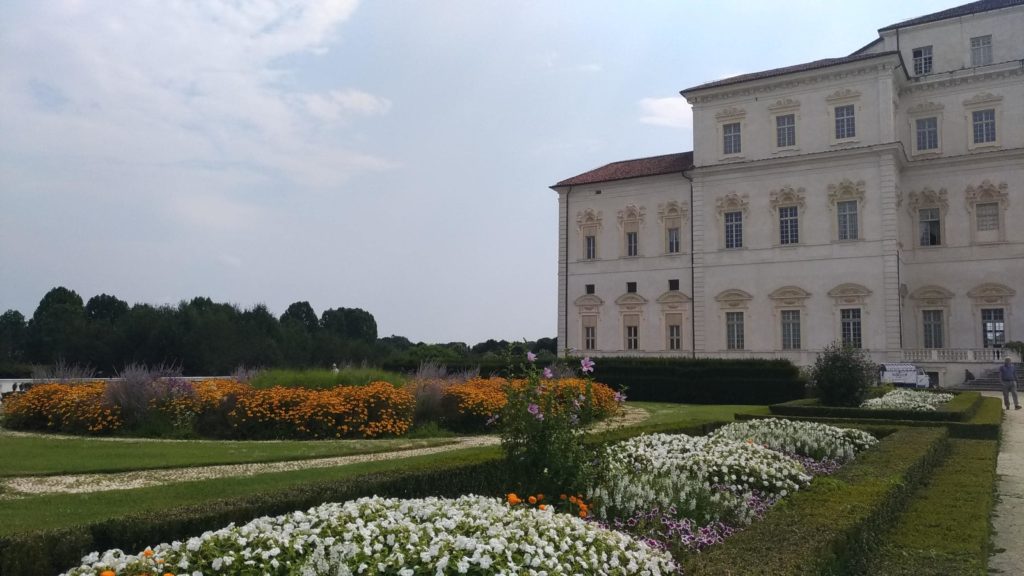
(832, 527)
(960, 409)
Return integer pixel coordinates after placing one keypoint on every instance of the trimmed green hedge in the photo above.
(945, 531)
(960, 409)
(832, 527)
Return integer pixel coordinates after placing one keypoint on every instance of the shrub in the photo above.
(842, 375)
(76, 409)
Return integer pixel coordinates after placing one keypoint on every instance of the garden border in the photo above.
(960, 409)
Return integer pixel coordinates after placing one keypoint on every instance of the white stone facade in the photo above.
(876, 198)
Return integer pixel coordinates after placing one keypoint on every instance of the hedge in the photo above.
(945, 530)
(833, 526)
(960, 409)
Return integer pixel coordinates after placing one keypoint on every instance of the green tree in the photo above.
(57, 328)
(302, 314)
(13, 333)
(842, 375)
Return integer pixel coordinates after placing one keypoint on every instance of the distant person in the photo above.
(334, 369)
(1008, 378)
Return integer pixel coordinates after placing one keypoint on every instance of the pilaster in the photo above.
(563, 280)
(888, 190)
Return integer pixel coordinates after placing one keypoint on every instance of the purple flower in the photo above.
(548, 373)
(492, 419)
(531, 356)
(535, 410)
(587, 365)
(620, 397)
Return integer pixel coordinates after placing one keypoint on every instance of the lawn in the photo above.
(324, 379)
(692, 414)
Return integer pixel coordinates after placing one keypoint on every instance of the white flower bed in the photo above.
(813, 439)
(471, 534)
(903, 399)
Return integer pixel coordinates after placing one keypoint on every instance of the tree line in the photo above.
(204, 337)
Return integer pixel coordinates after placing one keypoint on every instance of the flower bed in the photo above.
(913, 400)
(471, 534)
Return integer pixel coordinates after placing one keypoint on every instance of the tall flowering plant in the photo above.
(542, 433)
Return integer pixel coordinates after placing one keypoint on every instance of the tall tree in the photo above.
(13, 331)
(57, 328)
(301, 313)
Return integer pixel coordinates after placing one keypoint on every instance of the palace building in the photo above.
(876, 199)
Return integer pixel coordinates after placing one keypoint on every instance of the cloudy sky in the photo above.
(391, 155)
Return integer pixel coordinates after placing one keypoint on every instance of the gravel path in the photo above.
(79, 483)
(1008, 516)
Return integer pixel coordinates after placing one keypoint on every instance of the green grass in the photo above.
(37, 456)
(324, 379)
(687, 414)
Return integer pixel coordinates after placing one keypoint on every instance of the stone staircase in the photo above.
(988, 381)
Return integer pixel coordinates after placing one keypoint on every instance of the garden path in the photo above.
(1008, 517)
(79, 483)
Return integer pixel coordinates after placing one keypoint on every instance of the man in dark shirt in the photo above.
(1008, 378)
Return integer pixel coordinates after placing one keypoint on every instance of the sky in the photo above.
(389, 155)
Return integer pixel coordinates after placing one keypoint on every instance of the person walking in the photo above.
(1008, 378)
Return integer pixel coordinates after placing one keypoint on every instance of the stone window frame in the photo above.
(924, 199)
(850, 295)
(978, 103)
(674, 302)
(732, 202)
(845, 191)
(924, 111)
(787, 197)
(931, 298)
(788, 299)
(631, 304)
(631, 219)
(978, 50)
(987, 193)
(589, 223)
(588, 307)
(669, 214)
(786, 107)
(733, 300)
(729, 116)
(923, 63)
(991, 295)
(840, 99)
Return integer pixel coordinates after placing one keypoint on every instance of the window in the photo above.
(790, 329)
(987, 215)
(846, 125)
(734, 330)
(847, 214)
(850, 327)
(984, 123)
(590, 332)
(981, 50)
(927, 133)
(632, 331)
(589, 288)
(590, 247)
(993, 331)
(673, 284)
(789, 225)
(631, 287)
(632, 243)
(731, 138)
(922, 60)
(928, 227)
(734, 229)
(672, 240)
(932, 328)
(785, 130)
(673, 331)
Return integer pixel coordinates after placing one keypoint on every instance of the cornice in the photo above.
(843, 94)
(784, 105)
(925, 108)
(731, 113)
(959, 78)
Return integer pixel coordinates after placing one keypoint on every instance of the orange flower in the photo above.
(108, 573)
(572, 499)
(147, 552)
(543, 506)
(540, 497)
(583, 513)
(562, 497)
(513, 499)
(532, 499)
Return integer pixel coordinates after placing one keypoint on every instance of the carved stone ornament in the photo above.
(630, 302)
(789, 296)
(673, 209)
(588, 217)
(845, 190)
(932, 296)
(987, 192)
(927, 198)
(731, 113)
(849, 293)
(784, 105)
(673, 300)
(733, 299)
(786, 196)
(590, 303)
(981, 99)
(843, 94)
(732, 202)
(925, 108)
(991, 293)
(632, 213)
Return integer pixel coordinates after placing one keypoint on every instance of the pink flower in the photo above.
(587, 365)
(531, 356)
(535, 410)
(548, 373)
(620, 397)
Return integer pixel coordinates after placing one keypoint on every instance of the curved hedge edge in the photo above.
(961, 408)
(945, 530)
(832, 526)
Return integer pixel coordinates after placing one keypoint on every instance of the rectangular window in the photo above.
(672, 240)
(789, 225)
(847, 213)
(785, 130)
(850, 327)
(928, 226)
(734, 229)
(673, 284)
(631, 287)
(590, 247)
(731, 138)
(984, 123)
(632, 325)
(734, 330)
(846, 124)
(981, 50)
(987, 215)
(589, 288)
(590, 332)
(932, 328)
(632, 243)
(922, 60)
(790, 329)
(674, 331)
(993, 331)
(927, 133)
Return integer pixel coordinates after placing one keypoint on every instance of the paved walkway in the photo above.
(1008, 517)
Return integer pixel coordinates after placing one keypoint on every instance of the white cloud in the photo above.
(337, 104)
(673, 111)
(592, 67)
